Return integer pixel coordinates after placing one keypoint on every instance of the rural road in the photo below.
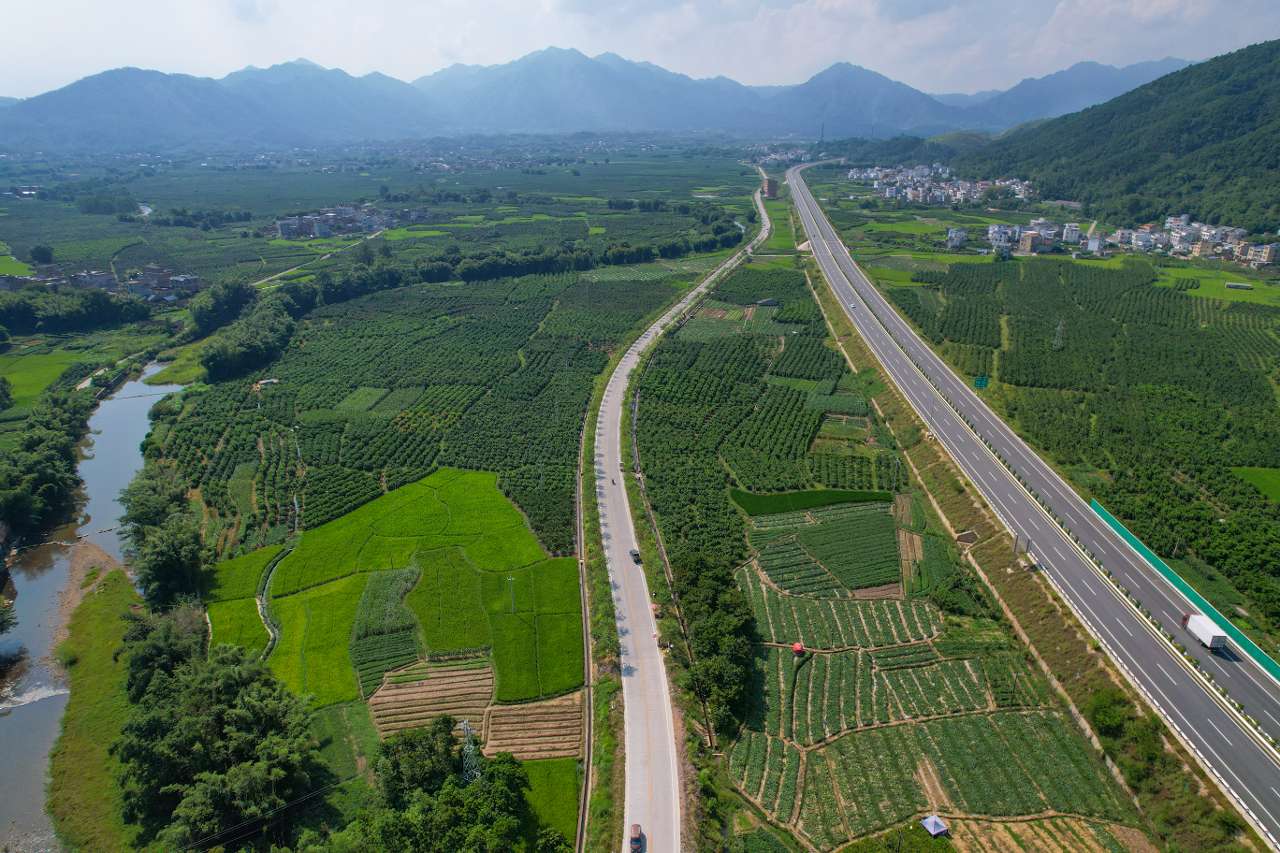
(653, 795)
(1243, 768)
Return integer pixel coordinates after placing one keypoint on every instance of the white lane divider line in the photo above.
(1219, 731)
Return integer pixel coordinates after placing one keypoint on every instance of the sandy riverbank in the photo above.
(89, 564)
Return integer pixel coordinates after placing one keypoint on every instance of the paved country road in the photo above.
(1243, 767)
(652, 770)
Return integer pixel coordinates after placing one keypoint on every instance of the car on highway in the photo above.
(635, 556)
(637, 838)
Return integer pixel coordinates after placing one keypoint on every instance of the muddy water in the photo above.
(33, 694)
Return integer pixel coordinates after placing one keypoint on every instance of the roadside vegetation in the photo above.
(1149, 385)
(791, 518)
(1178, 805)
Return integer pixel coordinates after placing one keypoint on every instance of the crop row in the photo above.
(904, 656)
(946, 687)
(998, 765)
(790, 567)
(860, 549)
(767, 770)
(836, 623)
(374, 655)
(379, 391)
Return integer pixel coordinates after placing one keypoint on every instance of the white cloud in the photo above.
(936, 45)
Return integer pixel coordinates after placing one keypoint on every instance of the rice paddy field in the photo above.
(482, 582)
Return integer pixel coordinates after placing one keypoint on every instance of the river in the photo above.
(34, 694)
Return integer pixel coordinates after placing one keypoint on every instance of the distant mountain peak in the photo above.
(553, 90)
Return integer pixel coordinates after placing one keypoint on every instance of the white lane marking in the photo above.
(1166, 674)
(1249, 675)
(1125, 627)
(1219, 731)
(1192, 732)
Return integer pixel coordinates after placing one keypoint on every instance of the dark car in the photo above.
(637, 837)
(635, 556)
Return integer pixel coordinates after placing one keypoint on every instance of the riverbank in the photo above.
(88, 564)
(48, 584)
(83, 795)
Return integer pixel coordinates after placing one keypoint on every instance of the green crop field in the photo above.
(783, 239)
(237, 622)
(470, 575)
(1266, 480)
(10, 265)
(553, 787)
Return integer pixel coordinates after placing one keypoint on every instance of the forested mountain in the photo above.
(7, 102)
(1204, 140)
(130, 108)
(1076, 88)
(549, 91)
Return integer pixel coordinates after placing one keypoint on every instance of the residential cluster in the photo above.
(933, 184)
(333, 221)
(1040, 235)
(1181, 236)
(152, 283)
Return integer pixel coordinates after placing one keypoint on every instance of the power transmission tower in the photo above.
(471, 770)
(1058, 343)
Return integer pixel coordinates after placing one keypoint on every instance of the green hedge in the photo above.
(754, 504)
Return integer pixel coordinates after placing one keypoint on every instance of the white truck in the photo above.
(1205, 630)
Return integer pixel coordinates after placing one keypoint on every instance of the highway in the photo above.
(1244, 769)
(653, 795)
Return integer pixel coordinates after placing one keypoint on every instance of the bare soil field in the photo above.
(1052, 835)
(412, 696)
(551, 728)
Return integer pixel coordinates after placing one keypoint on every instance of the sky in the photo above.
(934, 45)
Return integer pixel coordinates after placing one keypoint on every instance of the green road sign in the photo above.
(981, 382)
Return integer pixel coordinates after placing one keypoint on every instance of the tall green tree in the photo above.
(169, 564)
(213, 751)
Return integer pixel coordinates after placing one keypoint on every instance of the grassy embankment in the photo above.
(84, 797)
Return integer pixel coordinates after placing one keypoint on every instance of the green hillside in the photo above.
(1204, 140)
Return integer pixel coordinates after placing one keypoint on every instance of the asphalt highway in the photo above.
(1243, 767)
(653, 797)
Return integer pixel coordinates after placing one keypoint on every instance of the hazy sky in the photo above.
(935, 45)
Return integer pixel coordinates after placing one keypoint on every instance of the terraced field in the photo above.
(413, 696)
(551, 728)
(895, 708)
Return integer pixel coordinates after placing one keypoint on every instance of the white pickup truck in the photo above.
(1205, 630)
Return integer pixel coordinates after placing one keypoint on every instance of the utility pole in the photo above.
(511, 585)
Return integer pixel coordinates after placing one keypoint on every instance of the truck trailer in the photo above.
(1205, 630)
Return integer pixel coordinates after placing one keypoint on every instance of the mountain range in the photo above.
(1204, 140)
(550, 91)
